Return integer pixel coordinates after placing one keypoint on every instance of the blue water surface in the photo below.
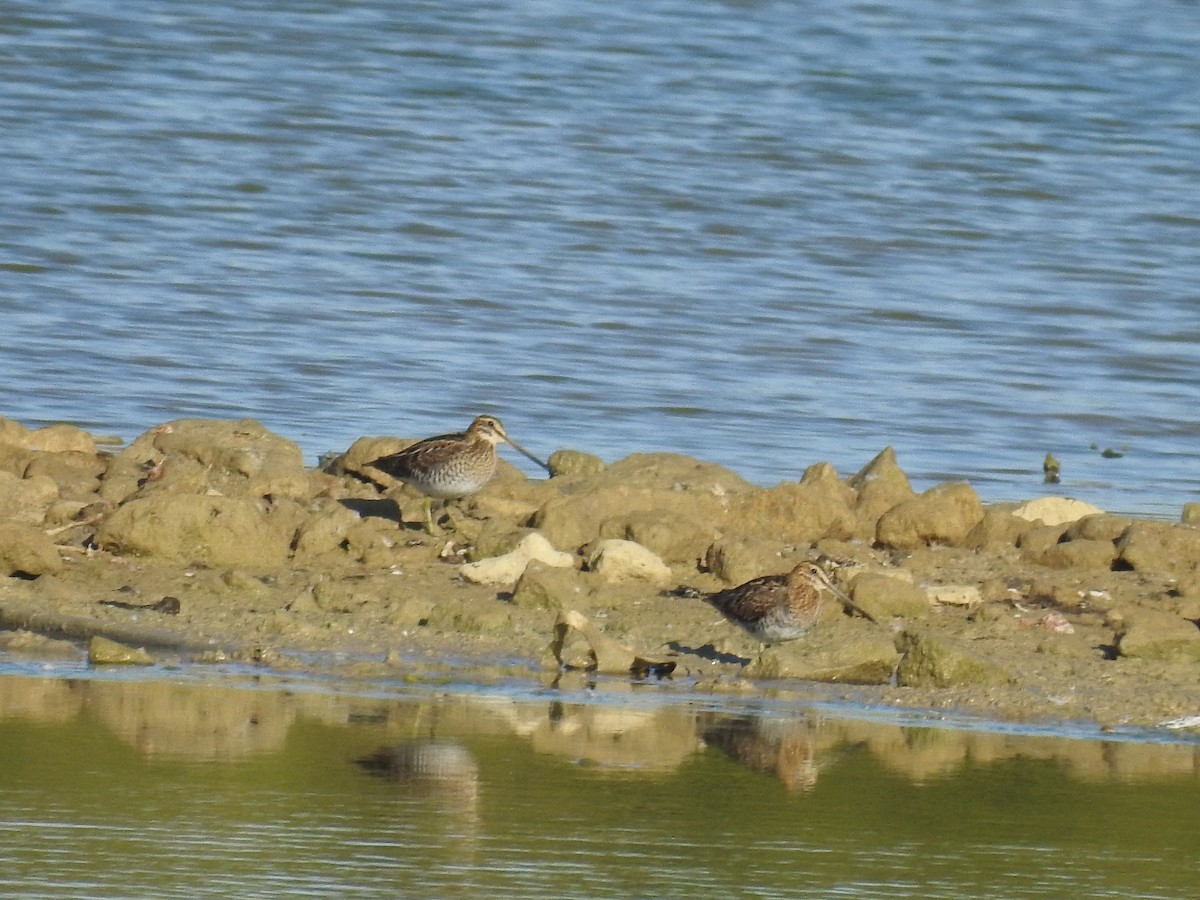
(761, 233)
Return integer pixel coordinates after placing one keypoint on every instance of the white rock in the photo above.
(616, 560)
(1055, 510)
(507, 569)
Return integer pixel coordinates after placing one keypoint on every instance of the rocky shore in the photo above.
(211, 540)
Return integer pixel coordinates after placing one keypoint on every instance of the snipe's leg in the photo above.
(431, 527)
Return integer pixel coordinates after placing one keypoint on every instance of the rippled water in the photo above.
(112, 786)
(761, 235)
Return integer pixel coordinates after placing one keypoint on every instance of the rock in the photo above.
(26, 500)
(77, 475)
(673, 537)
(61, 439)
(105, 652)
(548, 587)
(1160, 547)
(603, 654)
(879, 486)
(884, 597)
(675, 472)
(868, 657)
(27, 551)
(737, 560)
(210, 530)
(1191, 514)
(998, 528)
(641, 488)
(1055, 510)
(364, 450)
(1039, 539)
(928, 661)
(567, 463)
(412, 612)
(495, 537)
(15, 459)
(1101, 527)
(324, 533)
(510, 497)
(819, 506)
(617, 560)
(506, 569)
(1160, 636)
(944, 514)
(12, 432)
(1083, 553)
(954, 594)
(209, 456)
(334, 535)
(52, 438)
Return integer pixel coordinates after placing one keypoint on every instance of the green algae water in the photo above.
(156, 788)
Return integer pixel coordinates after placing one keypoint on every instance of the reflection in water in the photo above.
(206, 722)
(785, 748)
(269, 793)
(426, 762)
(442, 769)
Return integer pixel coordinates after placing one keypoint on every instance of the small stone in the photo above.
(103, 651)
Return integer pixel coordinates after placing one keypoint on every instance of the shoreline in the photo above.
(1047, 613)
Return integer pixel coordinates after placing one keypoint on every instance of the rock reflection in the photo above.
(647, 740)
(159, 719)
(174, 720)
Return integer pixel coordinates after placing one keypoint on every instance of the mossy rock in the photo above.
(1160, 636)
(885, 597)
(214, 531)
(928, 661)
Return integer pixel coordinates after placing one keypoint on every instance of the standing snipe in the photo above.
(777, 608)
(450, 465)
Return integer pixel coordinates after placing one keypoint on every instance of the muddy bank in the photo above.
(212, 540)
